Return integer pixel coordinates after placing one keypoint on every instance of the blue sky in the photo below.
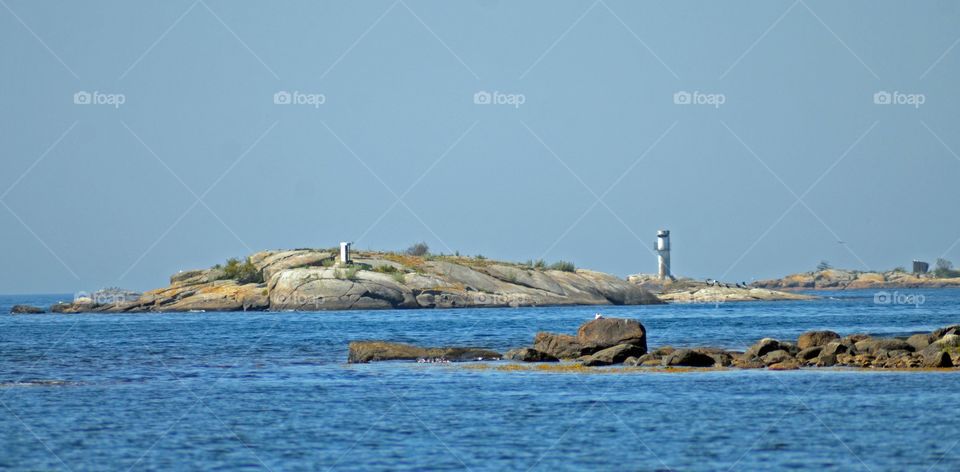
(787, 159)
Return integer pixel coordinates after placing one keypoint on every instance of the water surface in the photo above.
(272, 391)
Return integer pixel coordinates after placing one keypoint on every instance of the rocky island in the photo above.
(613, 341)
(315, 279)
(687, 290)
(840, 279)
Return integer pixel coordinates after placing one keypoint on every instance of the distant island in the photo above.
(320, 279)
(840, 279)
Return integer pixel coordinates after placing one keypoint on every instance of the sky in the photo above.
(144, 138)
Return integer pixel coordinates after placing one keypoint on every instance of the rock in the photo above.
(26, 310)
(953, 329)
(854, 338)
(607, 332)
(614, 355)
(631, 361)
(948, 341)
(826, 360)
(834, 348)
(873, 345)
(810, 353)
(920, 341)
(561, 346)
(787, 364)
(762, 347)
(816, 338)
(744, 361)
(526, 354)
(688, 358)
(721, 357)
(937, 359)
(649, 359)
(776, 357)
(372, 351)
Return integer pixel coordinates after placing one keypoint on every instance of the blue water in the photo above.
(272, 391)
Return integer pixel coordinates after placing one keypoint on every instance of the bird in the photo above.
(598, 316)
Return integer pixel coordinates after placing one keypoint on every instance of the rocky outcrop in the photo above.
(690, 291)
(371, 351)
(838, 279)
(525, 354)
(26, 310)
(592, 347)
(593, 337)
(311, 280)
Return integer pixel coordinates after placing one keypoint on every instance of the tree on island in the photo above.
(823, 265)
(944, 269)
(418, 249)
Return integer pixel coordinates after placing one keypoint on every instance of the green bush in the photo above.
(399, 277)
(564, 266)
(350, 273)
(242, 272)
(385, 269)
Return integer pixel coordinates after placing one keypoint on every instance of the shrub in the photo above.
(242, 272)
(385, 269)
(418, 249)
(823, 265)
(399, 277)
(350, 273)
(564, 266)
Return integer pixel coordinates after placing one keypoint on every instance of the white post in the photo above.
(663, 254)
(344, 252)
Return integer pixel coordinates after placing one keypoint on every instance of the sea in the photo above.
(272, 391)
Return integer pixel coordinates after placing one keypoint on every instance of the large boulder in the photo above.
(608, 332)
(26, 310)
(614, 355)
(371, 351)
(762, 347)
(561, 346)
(526, 354)
(816, 338)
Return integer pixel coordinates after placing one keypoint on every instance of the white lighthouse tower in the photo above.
(663, 254)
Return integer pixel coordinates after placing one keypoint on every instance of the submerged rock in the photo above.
(525, 354)
(26, 310)
(371, 351)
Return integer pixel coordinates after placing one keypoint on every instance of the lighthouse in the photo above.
(663, 254)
